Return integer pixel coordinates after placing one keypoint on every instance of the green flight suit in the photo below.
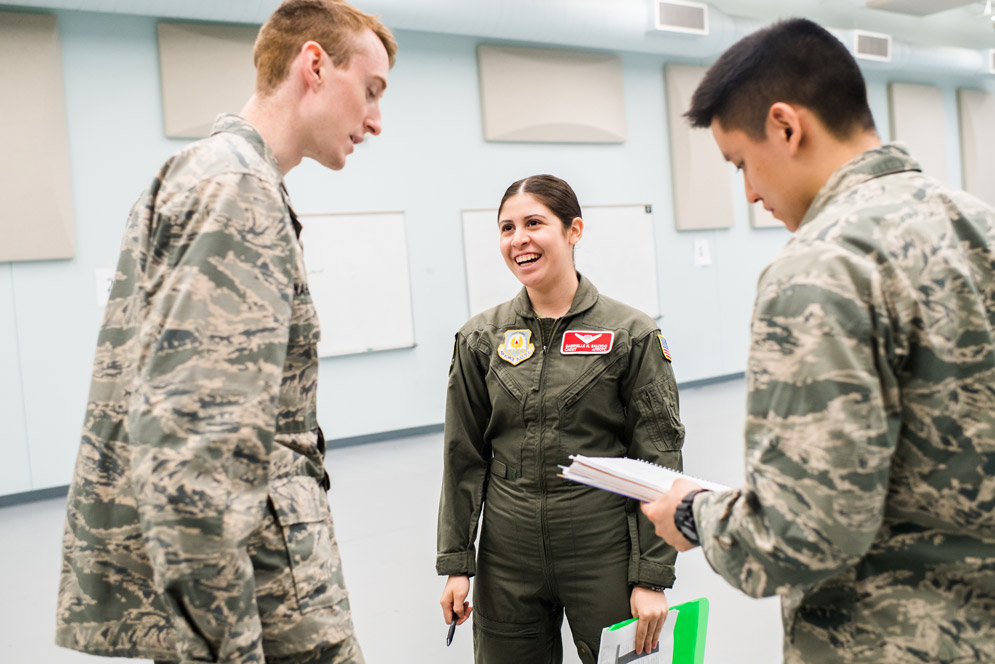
(869, 503)
(524, 394)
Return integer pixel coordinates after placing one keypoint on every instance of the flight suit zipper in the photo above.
(541, 459)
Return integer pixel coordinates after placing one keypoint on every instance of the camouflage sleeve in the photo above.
(822, 423)
(654, 432)
(203, 410)
(467, 462)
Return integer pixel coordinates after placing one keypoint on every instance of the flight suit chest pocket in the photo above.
(505, 377)
(599, 375)
(301, 509)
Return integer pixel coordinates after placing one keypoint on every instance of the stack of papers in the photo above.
(618, 643)
(634, 478)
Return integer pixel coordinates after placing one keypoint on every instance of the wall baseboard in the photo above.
(34, 496)
(710, 381)
(384, 435)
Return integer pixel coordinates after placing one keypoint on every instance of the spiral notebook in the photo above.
(634, 478)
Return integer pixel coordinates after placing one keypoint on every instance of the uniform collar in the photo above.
(885, 160)
(233, 124)
(584, 299)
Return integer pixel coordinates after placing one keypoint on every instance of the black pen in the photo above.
(452, 630)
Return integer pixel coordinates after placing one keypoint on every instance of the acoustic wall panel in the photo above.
(206, 70)
(36, 215)
(917, 120)
(702, 185)
(977, 142)
(537, 95)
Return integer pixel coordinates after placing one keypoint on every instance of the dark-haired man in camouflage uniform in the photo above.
(869, 503)
(198, 528)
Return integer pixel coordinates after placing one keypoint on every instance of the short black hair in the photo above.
(794, 61)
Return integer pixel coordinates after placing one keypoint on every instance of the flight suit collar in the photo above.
(584, 299)
(884, 160)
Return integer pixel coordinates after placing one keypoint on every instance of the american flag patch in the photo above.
(664, 347)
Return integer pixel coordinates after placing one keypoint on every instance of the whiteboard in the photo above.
(357, 271)
(617, 253)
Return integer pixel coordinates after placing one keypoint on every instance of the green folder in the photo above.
(689, 631)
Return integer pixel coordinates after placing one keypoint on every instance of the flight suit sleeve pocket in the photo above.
(657, 409)
(302, 511)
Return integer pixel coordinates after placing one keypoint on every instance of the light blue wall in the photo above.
(431, 162)
(15, 471)
(115, 139)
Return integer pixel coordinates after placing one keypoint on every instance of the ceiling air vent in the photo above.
(682, 16)
(872, 46)
(916, 7)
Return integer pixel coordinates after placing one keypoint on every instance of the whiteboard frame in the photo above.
(648, 303)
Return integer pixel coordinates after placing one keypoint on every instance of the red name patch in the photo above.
(583, 342)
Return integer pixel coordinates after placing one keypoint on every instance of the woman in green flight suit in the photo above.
(558, 370)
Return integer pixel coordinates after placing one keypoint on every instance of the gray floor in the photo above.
(384, 497)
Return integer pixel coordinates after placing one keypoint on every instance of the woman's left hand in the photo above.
(650, 607)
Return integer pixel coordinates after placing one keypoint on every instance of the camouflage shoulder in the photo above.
(218, 155)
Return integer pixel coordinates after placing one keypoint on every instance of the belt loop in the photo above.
(503, 470)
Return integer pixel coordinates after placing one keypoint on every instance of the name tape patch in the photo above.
(587, 342)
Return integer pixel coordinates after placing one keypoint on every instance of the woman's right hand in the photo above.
(454, 599)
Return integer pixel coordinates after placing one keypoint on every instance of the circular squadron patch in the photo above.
(517, 346)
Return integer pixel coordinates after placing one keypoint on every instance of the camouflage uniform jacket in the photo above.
(197, 527)
(520, 414)
(869, 503)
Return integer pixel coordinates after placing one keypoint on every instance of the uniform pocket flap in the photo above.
(298, 500)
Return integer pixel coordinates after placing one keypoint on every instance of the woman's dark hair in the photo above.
(794, 61)
(552, 192)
